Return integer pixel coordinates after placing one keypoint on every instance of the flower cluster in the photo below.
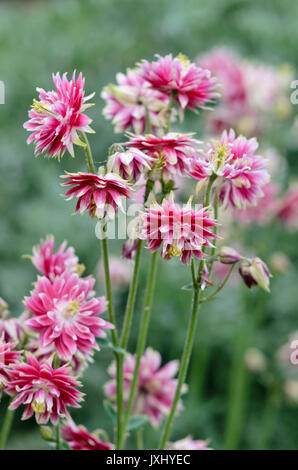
(249, 92)
(156, 385)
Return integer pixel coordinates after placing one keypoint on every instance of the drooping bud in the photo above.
(255, 273)
(229, 255)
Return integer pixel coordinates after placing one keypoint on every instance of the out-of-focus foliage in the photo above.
(101, 38)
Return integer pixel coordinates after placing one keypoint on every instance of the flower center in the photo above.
(38, 406)
(174, 251)
(72, 308)
(41, 108)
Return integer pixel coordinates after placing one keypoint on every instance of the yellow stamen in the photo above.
(73, 308)
(174, 251)
(38, 407)
(185, 60)
(40, 107)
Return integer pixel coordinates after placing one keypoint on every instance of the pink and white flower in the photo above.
(79, 438)
(189, 444)
(8, 358)
(66, 314)
(57, 118)
(51, 264)
(43, 390)
(171, 153)
(180, 232)
(191, 86)
(233, 159)
(156, 385)
(265, 209)
(99, 194)
(126, 103)
(130, 165)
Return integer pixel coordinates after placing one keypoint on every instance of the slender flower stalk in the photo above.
(184, 364)
(131, 297)
(118, 357)
(58, 436)
(6, 427)
(142, 336)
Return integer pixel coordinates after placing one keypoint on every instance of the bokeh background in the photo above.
(227, 402)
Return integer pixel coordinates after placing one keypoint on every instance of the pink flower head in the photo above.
(192, 86)
(287, 209)
(130, 164)
(234, 160)
(156, 385)
(11, 329)
(8, 358)
(52, 264)
(66, 314)
(189, 444)
(79, 438)
(181, 232)
(56, 119)
(127, 101)
(129, 249)
(171, 153)
(100, 194)
(44, 390)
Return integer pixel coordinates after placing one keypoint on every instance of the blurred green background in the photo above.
(101, 38)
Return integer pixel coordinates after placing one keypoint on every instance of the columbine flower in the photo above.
(8, 358)
(45, 391)
(56, 119)
(233, 159)
(52, 264)
(181, 232)
(287, 209)
(120, 272)
(192, 86)
(130, 164)
(171, 153)
(66, 314)
(156, 386)
(79, 438)
(255, 273)
(189, 444)
(99, 194)
(128, 102)
(11, 329)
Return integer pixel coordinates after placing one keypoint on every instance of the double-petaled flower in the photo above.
(58, 116)
(66, 314)
(241, 171)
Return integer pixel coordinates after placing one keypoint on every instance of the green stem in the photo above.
(268, 421)
(6, 427)
(58, 437)
(169, 112)
(142, 336)
(184, 365)
(140, 441)
(88, 152)
(131, 297)
(220, 286)
(118, 357)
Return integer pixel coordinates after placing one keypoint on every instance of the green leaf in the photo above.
(187, 287)
(110, 410)
(106, 343)
(136, 422)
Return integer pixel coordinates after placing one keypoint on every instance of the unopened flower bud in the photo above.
(255, 273)
(228, 255)
(291, 390)
(46, 433)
